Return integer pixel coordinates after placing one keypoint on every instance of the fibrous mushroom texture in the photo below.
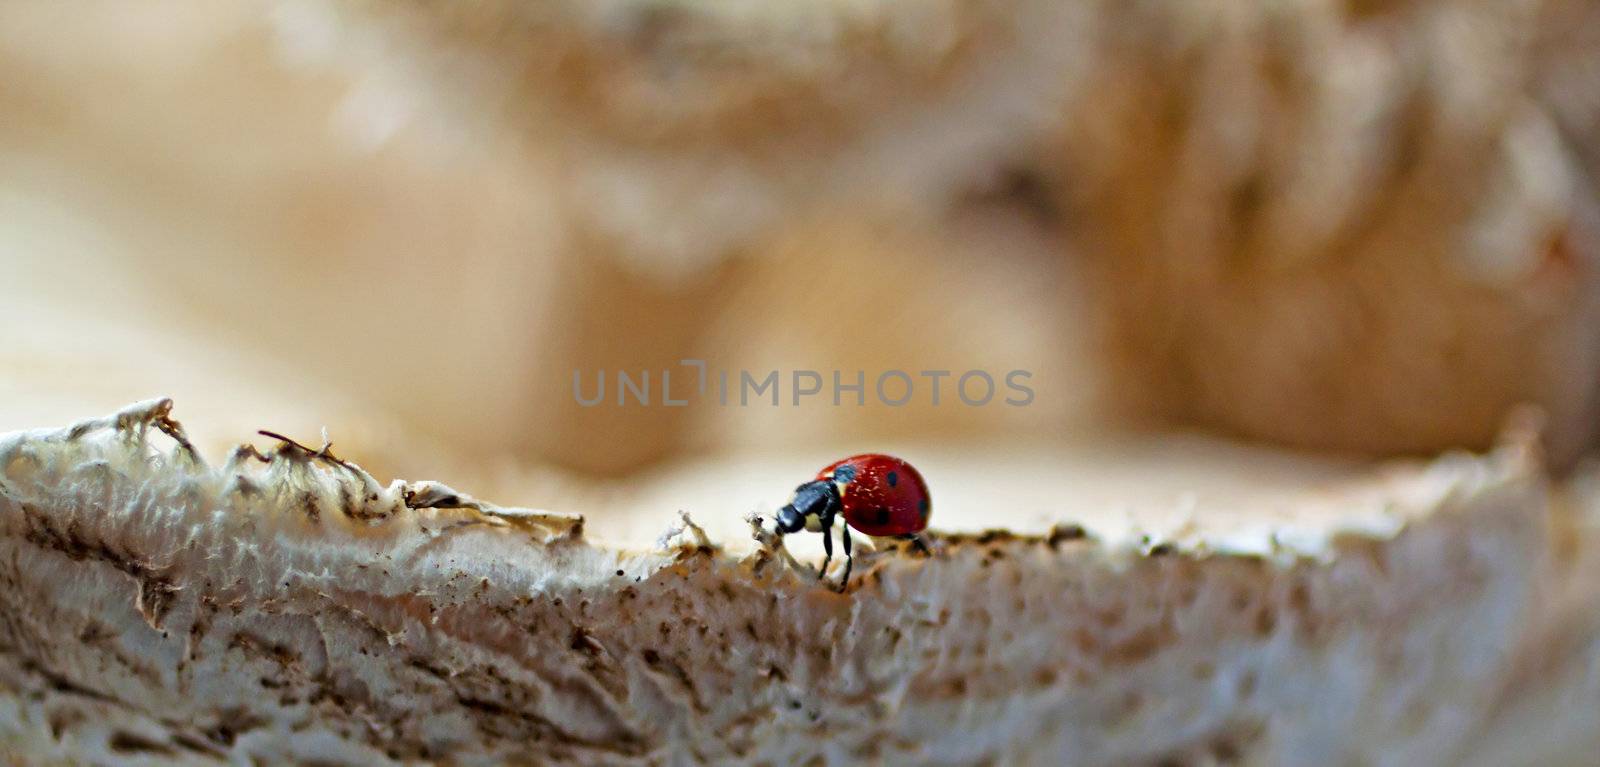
(287, 607)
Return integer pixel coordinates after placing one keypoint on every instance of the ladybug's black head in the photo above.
(790, 520)
(819, 498)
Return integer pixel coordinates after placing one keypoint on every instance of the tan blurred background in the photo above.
(1355, 228)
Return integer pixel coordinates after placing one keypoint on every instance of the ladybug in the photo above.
(878, 495)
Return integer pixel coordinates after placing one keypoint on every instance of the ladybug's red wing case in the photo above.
(881, 495)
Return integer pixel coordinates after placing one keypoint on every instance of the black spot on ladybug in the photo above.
(844, 474)
(922, 507)
(894, 478)
(883, 515)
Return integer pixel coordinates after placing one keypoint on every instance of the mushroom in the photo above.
(283, 606)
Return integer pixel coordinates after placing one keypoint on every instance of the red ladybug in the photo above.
(879, 495)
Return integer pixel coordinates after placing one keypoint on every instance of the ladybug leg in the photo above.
(827, 545)
(849, 561)
(919, 545)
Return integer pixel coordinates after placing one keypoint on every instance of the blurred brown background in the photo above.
(1364, 228)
